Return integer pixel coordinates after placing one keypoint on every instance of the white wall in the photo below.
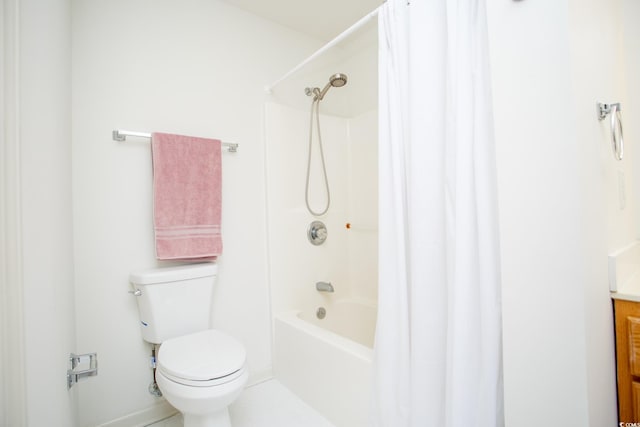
(195, 67)
(12, 368)
(630, 11)
(610, 209)
(38, 120)
(559, 209)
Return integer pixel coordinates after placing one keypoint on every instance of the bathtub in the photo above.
(328, 362)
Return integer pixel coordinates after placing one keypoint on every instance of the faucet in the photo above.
(324, 287)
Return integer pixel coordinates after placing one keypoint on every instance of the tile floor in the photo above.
(268, 404)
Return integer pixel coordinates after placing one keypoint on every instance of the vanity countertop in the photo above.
(624, 272)
(629, 290)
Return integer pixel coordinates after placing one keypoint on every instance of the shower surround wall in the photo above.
(340, 388)
(348, 258)
(349, 128)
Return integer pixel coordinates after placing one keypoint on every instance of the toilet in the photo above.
(200, 371)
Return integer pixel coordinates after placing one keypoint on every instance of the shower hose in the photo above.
(315, 105)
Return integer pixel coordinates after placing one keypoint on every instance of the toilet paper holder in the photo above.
(82, 366)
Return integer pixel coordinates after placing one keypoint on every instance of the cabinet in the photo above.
(627, 317)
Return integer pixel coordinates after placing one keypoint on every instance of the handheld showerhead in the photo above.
(336, 80)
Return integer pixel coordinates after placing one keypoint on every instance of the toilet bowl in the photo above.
(199, 370)
(201, 374)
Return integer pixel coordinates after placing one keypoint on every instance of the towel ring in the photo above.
(617, 139)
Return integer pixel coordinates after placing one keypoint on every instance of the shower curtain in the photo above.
(438, 351)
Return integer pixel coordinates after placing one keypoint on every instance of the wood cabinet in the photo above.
(627, 316)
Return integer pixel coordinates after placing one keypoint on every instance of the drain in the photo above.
(321, 313)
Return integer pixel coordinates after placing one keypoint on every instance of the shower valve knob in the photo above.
(317, 233)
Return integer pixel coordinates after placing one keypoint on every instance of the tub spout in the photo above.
(324, 287)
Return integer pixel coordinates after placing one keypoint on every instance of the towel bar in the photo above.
(121, 135)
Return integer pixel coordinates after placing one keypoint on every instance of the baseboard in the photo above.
(164, 410)
(144, 417)
(260, 376)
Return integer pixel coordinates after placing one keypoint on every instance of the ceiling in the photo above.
(323, 19)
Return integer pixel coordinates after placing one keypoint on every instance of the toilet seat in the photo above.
(204, 383)
(203, 359)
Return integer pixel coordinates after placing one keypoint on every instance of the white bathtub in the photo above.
(328, 362)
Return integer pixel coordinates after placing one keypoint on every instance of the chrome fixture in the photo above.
(317, 233)
(82, 366)
(617, 141)
(121, 136)
(336, 80)
(154, 390)
(136, 292)
(321, 313)
(324, 287)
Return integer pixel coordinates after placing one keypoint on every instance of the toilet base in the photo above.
(217, 419)
(203, 406)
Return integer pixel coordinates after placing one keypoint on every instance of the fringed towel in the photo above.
(187, 196)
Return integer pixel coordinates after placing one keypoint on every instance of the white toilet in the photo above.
(200, 371)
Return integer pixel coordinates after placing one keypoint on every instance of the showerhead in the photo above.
(336, 80)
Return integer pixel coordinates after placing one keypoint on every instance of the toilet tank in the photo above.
(174, 301)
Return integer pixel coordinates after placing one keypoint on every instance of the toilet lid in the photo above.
(204, 355)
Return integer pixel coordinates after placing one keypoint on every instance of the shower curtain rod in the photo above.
(343, 35)
(121, 135)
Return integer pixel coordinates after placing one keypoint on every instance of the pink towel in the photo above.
(187, 182)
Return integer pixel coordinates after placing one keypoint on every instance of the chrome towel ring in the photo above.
(617, 139)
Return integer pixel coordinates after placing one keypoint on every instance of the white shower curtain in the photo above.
(438, 353)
